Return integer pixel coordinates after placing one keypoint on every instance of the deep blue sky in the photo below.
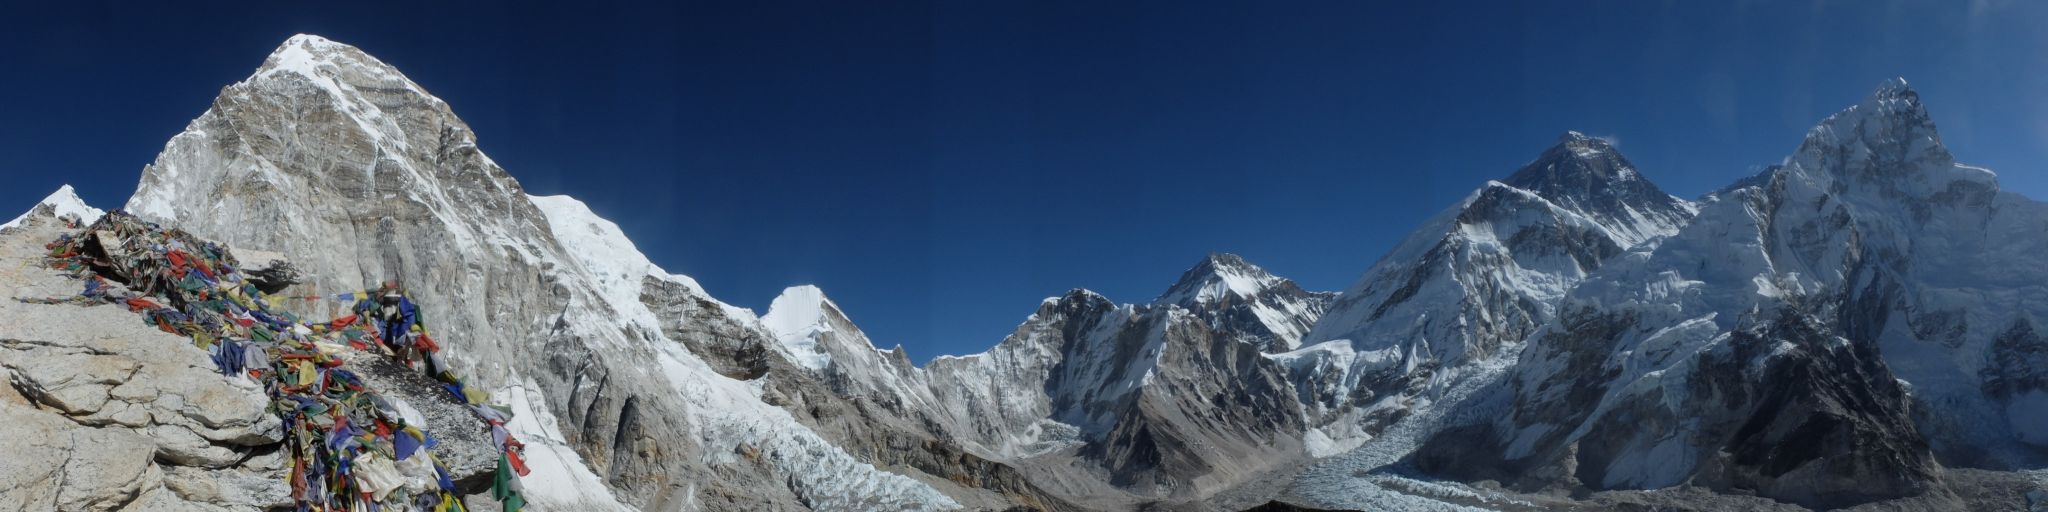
(940, 168)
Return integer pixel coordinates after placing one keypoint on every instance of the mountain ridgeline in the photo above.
(1858, 326)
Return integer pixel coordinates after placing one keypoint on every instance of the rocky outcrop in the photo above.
(105, 412)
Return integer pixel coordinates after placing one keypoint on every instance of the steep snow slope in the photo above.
(831, 479)
(1819, 336)
(357, 174)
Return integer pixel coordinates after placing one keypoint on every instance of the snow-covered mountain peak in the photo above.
(1082, 298)
(1590, 177)
(1233, 295)
(800, 302)
(1887, 142)
(1577, 164)
(1892, 104)
(306, 54)
(796, 318)
(797, 310)
(62, 202)
(1895, 87)
(1219, 276)
(310, 40)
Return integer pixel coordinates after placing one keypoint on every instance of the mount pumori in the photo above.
(1852, 327)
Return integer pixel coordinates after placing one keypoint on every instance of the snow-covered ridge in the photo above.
(606, 252)
(63, 202)
(723, 410)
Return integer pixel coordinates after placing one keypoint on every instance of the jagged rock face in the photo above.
(1820, 337)
(1786, 409)
(1213, 412)
(1171, 400)
(999, 399)
(356, 174)
(733, 348)
(823, 369)
(1170, 407)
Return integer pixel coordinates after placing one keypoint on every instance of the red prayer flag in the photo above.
(517, 464)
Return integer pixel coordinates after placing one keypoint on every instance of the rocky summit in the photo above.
(1855, 328)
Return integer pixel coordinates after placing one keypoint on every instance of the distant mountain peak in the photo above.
(62, 202)
(1217, 276)
(1083, 297)
(1233, 295)
(1895, 87)
(1226, 263)
(1588, 175)
(304, 53)
(310, 42)
(1894, 99)
(1889, 129)
(1574, 159)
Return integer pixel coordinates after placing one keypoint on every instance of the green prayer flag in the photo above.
(502, 486)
